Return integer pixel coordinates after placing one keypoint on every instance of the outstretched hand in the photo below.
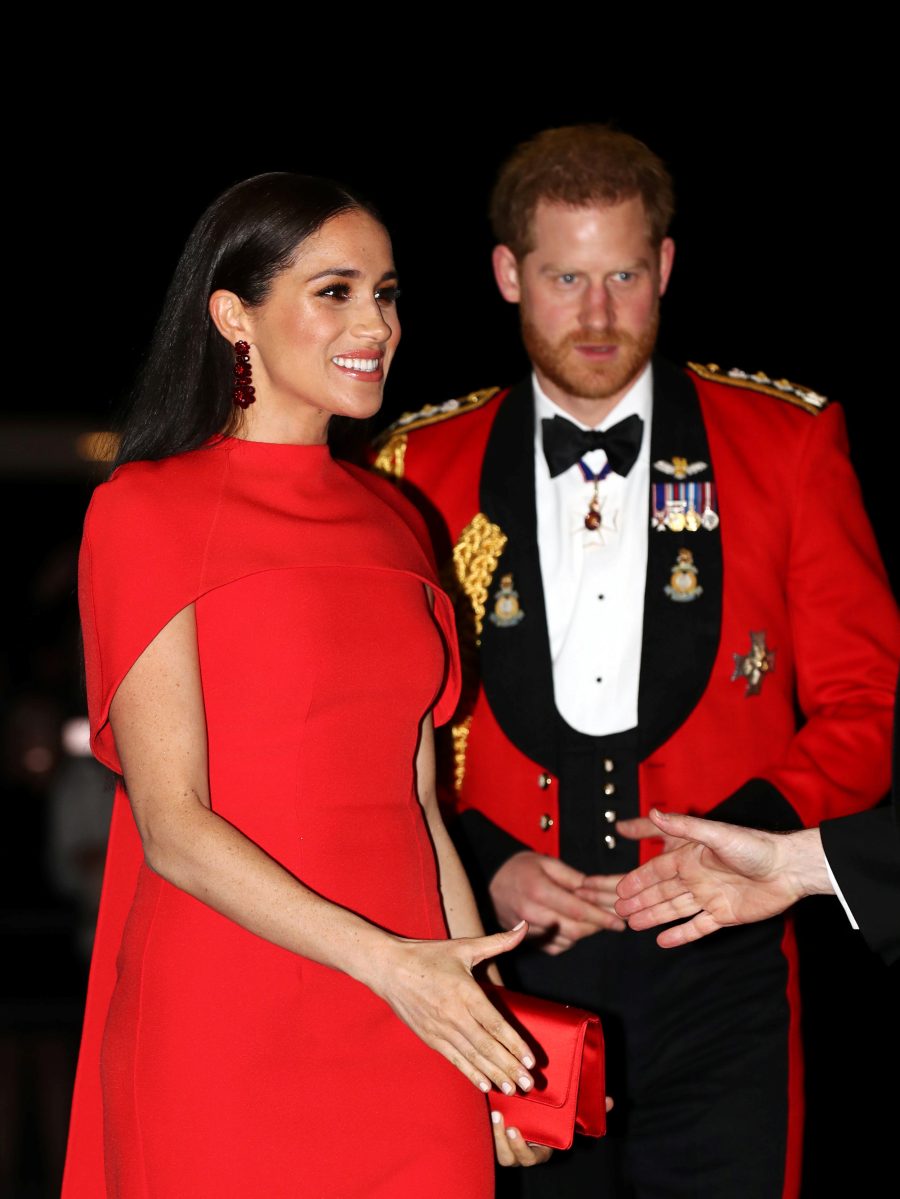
(429, 985)
(717, 875)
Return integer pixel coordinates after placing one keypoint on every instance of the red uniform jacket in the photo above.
(792, 560)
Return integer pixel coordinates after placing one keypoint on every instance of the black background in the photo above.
(784, 255)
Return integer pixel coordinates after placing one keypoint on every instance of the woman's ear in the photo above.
(229, 315)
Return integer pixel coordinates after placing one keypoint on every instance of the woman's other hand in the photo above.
(511, 1147)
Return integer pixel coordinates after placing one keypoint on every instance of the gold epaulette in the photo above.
(391, 444)
(782, 389)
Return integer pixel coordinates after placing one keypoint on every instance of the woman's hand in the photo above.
(511, 1147)
(429, 985)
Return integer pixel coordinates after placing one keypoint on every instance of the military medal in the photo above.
(684, 507)
(755, 665)
(675, 515)
(683, 584)
(593, 518)
(692, 516)
(710, 517)
(507, 610)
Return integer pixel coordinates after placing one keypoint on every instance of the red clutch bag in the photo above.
(569, 1093)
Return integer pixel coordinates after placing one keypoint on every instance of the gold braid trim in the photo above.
(475, 557)
(433, 414)
(460, 734)
(782, 389)
(391, 458)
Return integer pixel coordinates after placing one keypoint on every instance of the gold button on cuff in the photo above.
(610, 841)
(609, 816)
(609, 765)
(544, 781)
(547, 822)
(609, 788)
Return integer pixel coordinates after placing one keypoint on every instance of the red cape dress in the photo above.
(214, 1064)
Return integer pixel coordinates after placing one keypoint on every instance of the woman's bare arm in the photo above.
(463, 920)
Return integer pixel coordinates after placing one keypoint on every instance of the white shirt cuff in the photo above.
(839, 893)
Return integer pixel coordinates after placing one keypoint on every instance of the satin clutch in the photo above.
(569, 1093)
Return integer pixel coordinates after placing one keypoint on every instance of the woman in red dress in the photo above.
(275, 1008)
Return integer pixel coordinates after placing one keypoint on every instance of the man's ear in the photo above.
(229, 316)
(666, 259)
(506, 272)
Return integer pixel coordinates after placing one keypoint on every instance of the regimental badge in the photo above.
(679, 468)
(684, 507)
(756, 665)
(684, 584)
(507, 611)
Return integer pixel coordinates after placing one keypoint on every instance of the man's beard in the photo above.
(577, 376)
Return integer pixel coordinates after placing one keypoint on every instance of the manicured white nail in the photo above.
(512, 1134)
(484, 1086)
(528, 1062)
(495, 1117)
(525, 1083)
(507, 1088)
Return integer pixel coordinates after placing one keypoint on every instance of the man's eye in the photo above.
(388, 296)
(624, 276)
(337, 291)
(568, 278)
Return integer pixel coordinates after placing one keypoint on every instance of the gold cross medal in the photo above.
(684, 584)
(507, 610)
(755, 665)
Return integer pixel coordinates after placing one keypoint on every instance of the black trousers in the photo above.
(697, 1064)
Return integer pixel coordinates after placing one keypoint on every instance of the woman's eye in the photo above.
(387, 296)
(337, 291)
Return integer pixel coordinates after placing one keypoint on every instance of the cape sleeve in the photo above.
(140, 564)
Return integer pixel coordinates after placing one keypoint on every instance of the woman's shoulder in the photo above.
(140, 497)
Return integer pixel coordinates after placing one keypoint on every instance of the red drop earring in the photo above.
(244, 391)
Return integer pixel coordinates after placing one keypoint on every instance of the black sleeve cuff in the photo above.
(757, 804)
(863, 852)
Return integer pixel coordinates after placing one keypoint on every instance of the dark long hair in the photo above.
(246, 237)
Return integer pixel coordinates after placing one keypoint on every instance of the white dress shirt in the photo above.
(594, 580)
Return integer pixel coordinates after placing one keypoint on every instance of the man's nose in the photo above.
(597, 308)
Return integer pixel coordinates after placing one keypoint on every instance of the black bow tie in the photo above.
(565, 443)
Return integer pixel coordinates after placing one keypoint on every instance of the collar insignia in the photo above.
(684, 584)
(507, 610)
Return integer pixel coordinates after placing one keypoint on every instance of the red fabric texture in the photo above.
(214, 1064)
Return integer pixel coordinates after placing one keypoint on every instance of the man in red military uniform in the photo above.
(657, 568)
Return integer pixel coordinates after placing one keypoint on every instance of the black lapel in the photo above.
(680, 639)
(516, 670)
